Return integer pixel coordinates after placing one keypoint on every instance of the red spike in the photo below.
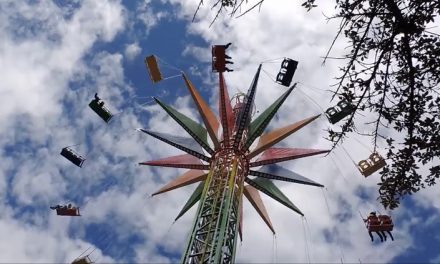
(275, 155)
(225, 110)
(180, 161)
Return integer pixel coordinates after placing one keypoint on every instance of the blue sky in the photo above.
(54, 56)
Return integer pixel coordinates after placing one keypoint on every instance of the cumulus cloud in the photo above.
(51, 72)
(132, 50)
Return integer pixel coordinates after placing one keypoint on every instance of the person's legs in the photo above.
(371, 236)
(384, 235)
(389, 233)
(381, 238)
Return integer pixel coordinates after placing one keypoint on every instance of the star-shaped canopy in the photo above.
(196, 159)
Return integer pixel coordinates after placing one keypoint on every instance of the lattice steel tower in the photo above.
(228, 160)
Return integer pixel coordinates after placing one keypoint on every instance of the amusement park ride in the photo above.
(224, 164)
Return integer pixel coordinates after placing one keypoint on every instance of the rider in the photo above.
(373, 220)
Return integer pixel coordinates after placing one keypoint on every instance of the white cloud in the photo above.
(132, 50)
(47, 85)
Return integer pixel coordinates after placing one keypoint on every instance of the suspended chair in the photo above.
(371, 165)
(98, 107)
(218, 58)
(373, 225)
(153, 69)
(338, 112)
(288, 68)
(386, 223)
(66, 210)
(72, 156)
(83, 260)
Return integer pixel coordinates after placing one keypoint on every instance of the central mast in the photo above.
(214, 232)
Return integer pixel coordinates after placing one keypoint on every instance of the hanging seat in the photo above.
(99, 108)
(74, 157)
(373, 225)
(153, 69)
(338, 112)
(386, 223)
(83, 260)
(288, 68)
(218, 58)
(64, 211)
(371, 165)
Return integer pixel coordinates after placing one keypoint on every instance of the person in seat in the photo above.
(386, 222)
(373, 221)
(69, 206)
(98, 100)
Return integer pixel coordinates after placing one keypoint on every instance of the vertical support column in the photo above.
(214, 232)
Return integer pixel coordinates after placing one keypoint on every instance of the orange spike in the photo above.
(271, 138)
(187, 178)
(254, 197)
(211, 122)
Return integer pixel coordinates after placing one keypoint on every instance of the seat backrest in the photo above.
(364, 164)
(331, 111)
(68, 211)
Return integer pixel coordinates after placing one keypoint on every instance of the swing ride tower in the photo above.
(228, 160)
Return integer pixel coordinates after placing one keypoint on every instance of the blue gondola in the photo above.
(98, 107)
(338, 112)
(74, 157)
(288, 68)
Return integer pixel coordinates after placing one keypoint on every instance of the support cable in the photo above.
(337, 166)
(313, 101)
(335, 231)
(305, 240)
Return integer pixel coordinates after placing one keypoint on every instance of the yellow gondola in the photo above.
(372, 164)
(153, 68)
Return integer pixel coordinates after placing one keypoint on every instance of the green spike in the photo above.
(266, 186)
(195, 197)
(193, 128)
(260, 123)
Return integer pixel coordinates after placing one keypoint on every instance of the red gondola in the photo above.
(66, 210)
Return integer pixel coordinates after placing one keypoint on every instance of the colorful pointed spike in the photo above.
(187, 144)
(187, 178)
(195, 197)
(211, 122)
(225, 110)
(245, 113)
(266, 186)
(276, 172)
(260, 123)
(254, 198)
(184, 161)
(193, 128)
(275, 155)
(271, 138)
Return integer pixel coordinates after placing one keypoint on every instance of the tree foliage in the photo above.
(392, 70)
